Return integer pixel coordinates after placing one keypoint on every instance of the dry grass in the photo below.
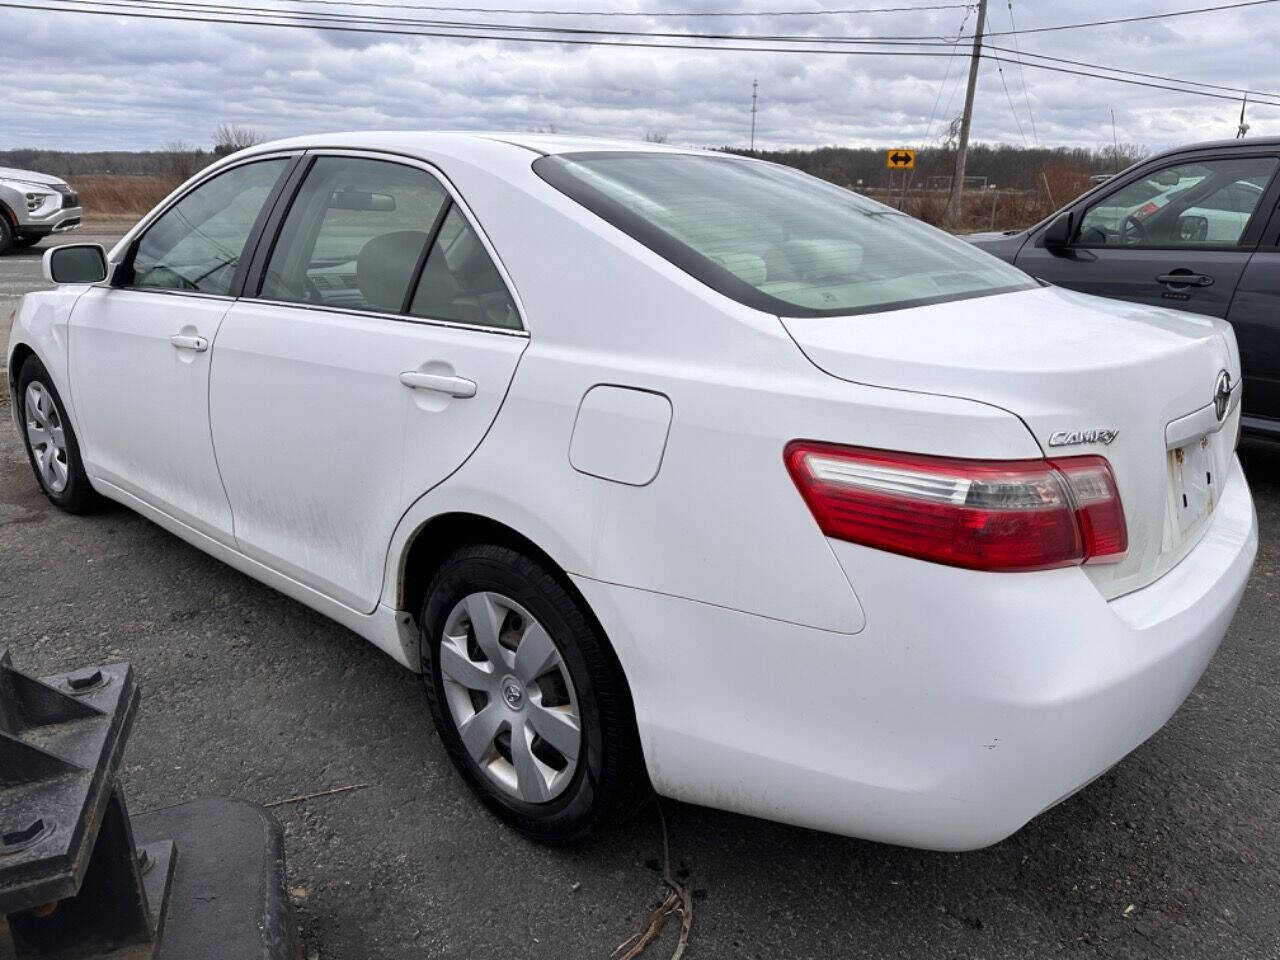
(114, 195)
(110, 195)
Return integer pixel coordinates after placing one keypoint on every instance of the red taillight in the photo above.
(982, 514)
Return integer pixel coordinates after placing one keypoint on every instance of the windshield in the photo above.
(776, 239)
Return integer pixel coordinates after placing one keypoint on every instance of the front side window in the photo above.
(355, 235)
(1208, 202)
(776, 239)
(197, 243)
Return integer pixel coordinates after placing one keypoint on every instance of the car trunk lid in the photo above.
(1131, 382)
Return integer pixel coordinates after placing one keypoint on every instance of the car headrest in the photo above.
(824, 258)
(384, 268)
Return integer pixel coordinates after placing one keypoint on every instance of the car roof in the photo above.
(1239, 144)
(425, 143)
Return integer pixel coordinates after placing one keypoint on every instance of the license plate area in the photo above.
(1193, 487)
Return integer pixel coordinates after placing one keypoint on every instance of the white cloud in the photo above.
(86, 82)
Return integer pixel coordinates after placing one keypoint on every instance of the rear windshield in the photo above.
(776, 239)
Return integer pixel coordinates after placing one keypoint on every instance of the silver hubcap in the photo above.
(44, 433)
(511, 697)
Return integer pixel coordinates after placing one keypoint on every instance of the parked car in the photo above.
(34, 206)
(666, 468)
(1196, 229)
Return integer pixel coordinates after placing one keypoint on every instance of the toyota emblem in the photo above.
(1222, 396)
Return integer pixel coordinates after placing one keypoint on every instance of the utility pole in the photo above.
(962, 148)
(755, 84)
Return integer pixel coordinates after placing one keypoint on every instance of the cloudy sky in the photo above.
(79, 81)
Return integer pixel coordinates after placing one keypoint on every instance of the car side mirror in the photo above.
(1058, 234)
(75, 263)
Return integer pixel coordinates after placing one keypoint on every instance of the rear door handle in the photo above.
(184, 342)
(1187, 279)
(459, 387)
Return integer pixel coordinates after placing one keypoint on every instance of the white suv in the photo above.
(33, 206)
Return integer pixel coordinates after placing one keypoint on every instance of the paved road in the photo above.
(20, 270)
(1173, 854)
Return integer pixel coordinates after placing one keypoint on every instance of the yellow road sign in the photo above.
(900, 158)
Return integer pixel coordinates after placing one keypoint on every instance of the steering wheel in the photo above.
(1133, 231)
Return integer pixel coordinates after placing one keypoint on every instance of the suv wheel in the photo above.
(50, 441)
(528, 697)
(20, 243)
(6, 235)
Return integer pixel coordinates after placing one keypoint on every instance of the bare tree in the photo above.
(656, 136)
(229, 138)
(181, 159)
(547, 128)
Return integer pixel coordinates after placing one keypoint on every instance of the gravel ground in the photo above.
(1174, 853)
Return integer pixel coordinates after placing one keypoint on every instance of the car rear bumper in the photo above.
(969, 703)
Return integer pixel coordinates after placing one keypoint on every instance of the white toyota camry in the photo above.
(666, 468)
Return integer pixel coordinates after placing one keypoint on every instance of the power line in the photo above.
(1022, 75)
(1146, 16)
(1132, 73)
(345, 19)
(257, 11)
(276, 13)
(942, 86)
(641, 13)
(466, 32)
(1009, 97)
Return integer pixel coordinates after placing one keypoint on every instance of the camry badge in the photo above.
(1070, 438)
(1222, 396)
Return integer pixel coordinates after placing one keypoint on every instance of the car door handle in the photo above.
(184, 342)
(1187, 279)
(459, 387)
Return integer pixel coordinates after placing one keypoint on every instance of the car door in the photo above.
(1178, 235)
(1255, 315)
(139, 350)
(368, 364)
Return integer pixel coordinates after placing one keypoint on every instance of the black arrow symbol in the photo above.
(899, 159)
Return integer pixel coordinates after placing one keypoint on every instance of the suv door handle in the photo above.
(459, 387)
(184, 342)
(1185, 279)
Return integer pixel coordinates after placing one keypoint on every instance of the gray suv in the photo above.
(32, 206)
(1197, 229)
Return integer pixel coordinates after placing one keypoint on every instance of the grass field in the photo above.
(109, 195)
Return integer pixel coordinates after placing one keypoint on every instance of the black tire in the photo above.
(78, 496)
(21, 243)
(609, 782)
(6, 235)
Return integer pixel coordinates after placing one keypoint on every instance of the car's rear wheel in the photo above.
(527, 696)
(51, 443)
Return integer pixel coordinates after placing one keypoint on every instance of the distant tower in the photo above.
(755, 86)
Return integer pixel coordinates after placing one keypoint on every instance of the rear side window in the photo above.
(776, 239)
(197, 243)
(460, 282)
(355, 235)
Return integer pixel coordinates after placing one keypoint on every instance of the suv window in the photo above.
(460, 282)
(197, 243)
(776, 239)
(355, 235)
(1208, 203)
